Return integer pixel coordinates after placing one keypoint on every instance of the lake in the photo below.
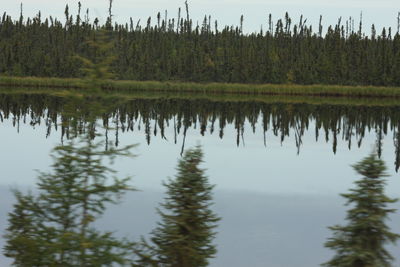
(279, 164)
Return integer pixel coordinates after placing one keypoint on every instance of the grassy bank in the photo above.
(202, 88)
(116, 96)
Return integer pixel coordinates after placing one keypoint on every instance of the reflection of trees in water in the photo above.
(153, 116)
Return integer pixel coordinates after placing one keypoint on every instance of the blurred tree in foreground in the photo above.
(55, 226)
(97, 65)
(186, 231)
(361, 242)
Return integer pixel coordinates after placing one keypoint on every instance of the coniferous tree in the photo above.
(22, 235)
(55, 228)
(97, 65)
(185, 234)
(361, 242)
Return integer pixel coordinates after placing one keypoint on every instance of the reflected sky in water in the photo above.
(275, 168)
(274, 202)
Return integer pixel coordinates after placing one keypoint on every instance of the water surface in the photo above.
(278, 166)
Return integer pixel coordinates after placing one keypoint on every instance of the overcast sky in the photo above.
(228, 12)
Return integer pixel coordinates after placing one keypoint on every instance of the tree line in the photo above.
(179, 49)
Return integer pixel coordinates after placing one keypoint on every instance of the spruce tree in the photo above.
(97, 66)
(361, 242)
(185, 234)
(55, 226)
(22, 235)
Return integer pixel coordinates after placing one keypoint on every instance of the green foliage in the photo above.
(55, 228)
(361, 242)
(174, 49)
(97, 66)
(23, 237)
(214, 90)
(186, 231)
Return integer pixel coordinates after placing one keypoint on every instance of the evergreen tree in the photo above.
(23, 237)
(361, 242)
(55, 228)
(186, 231)
(97, 66)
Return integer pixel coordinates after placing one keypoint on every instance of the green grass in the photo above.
(126, 96)
(202, 88)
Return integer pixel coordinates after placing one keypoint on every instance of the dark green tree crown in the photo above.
(361, 242)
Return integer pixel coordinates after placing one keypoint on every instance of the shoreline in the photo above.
(205, 88)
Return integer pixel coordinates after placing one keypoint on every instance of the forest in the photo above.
(178, 49)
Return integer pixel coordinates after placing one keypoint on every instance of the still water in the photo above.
(278, 166)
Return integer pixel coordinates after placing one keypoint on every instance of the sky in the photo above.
(227, 12)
